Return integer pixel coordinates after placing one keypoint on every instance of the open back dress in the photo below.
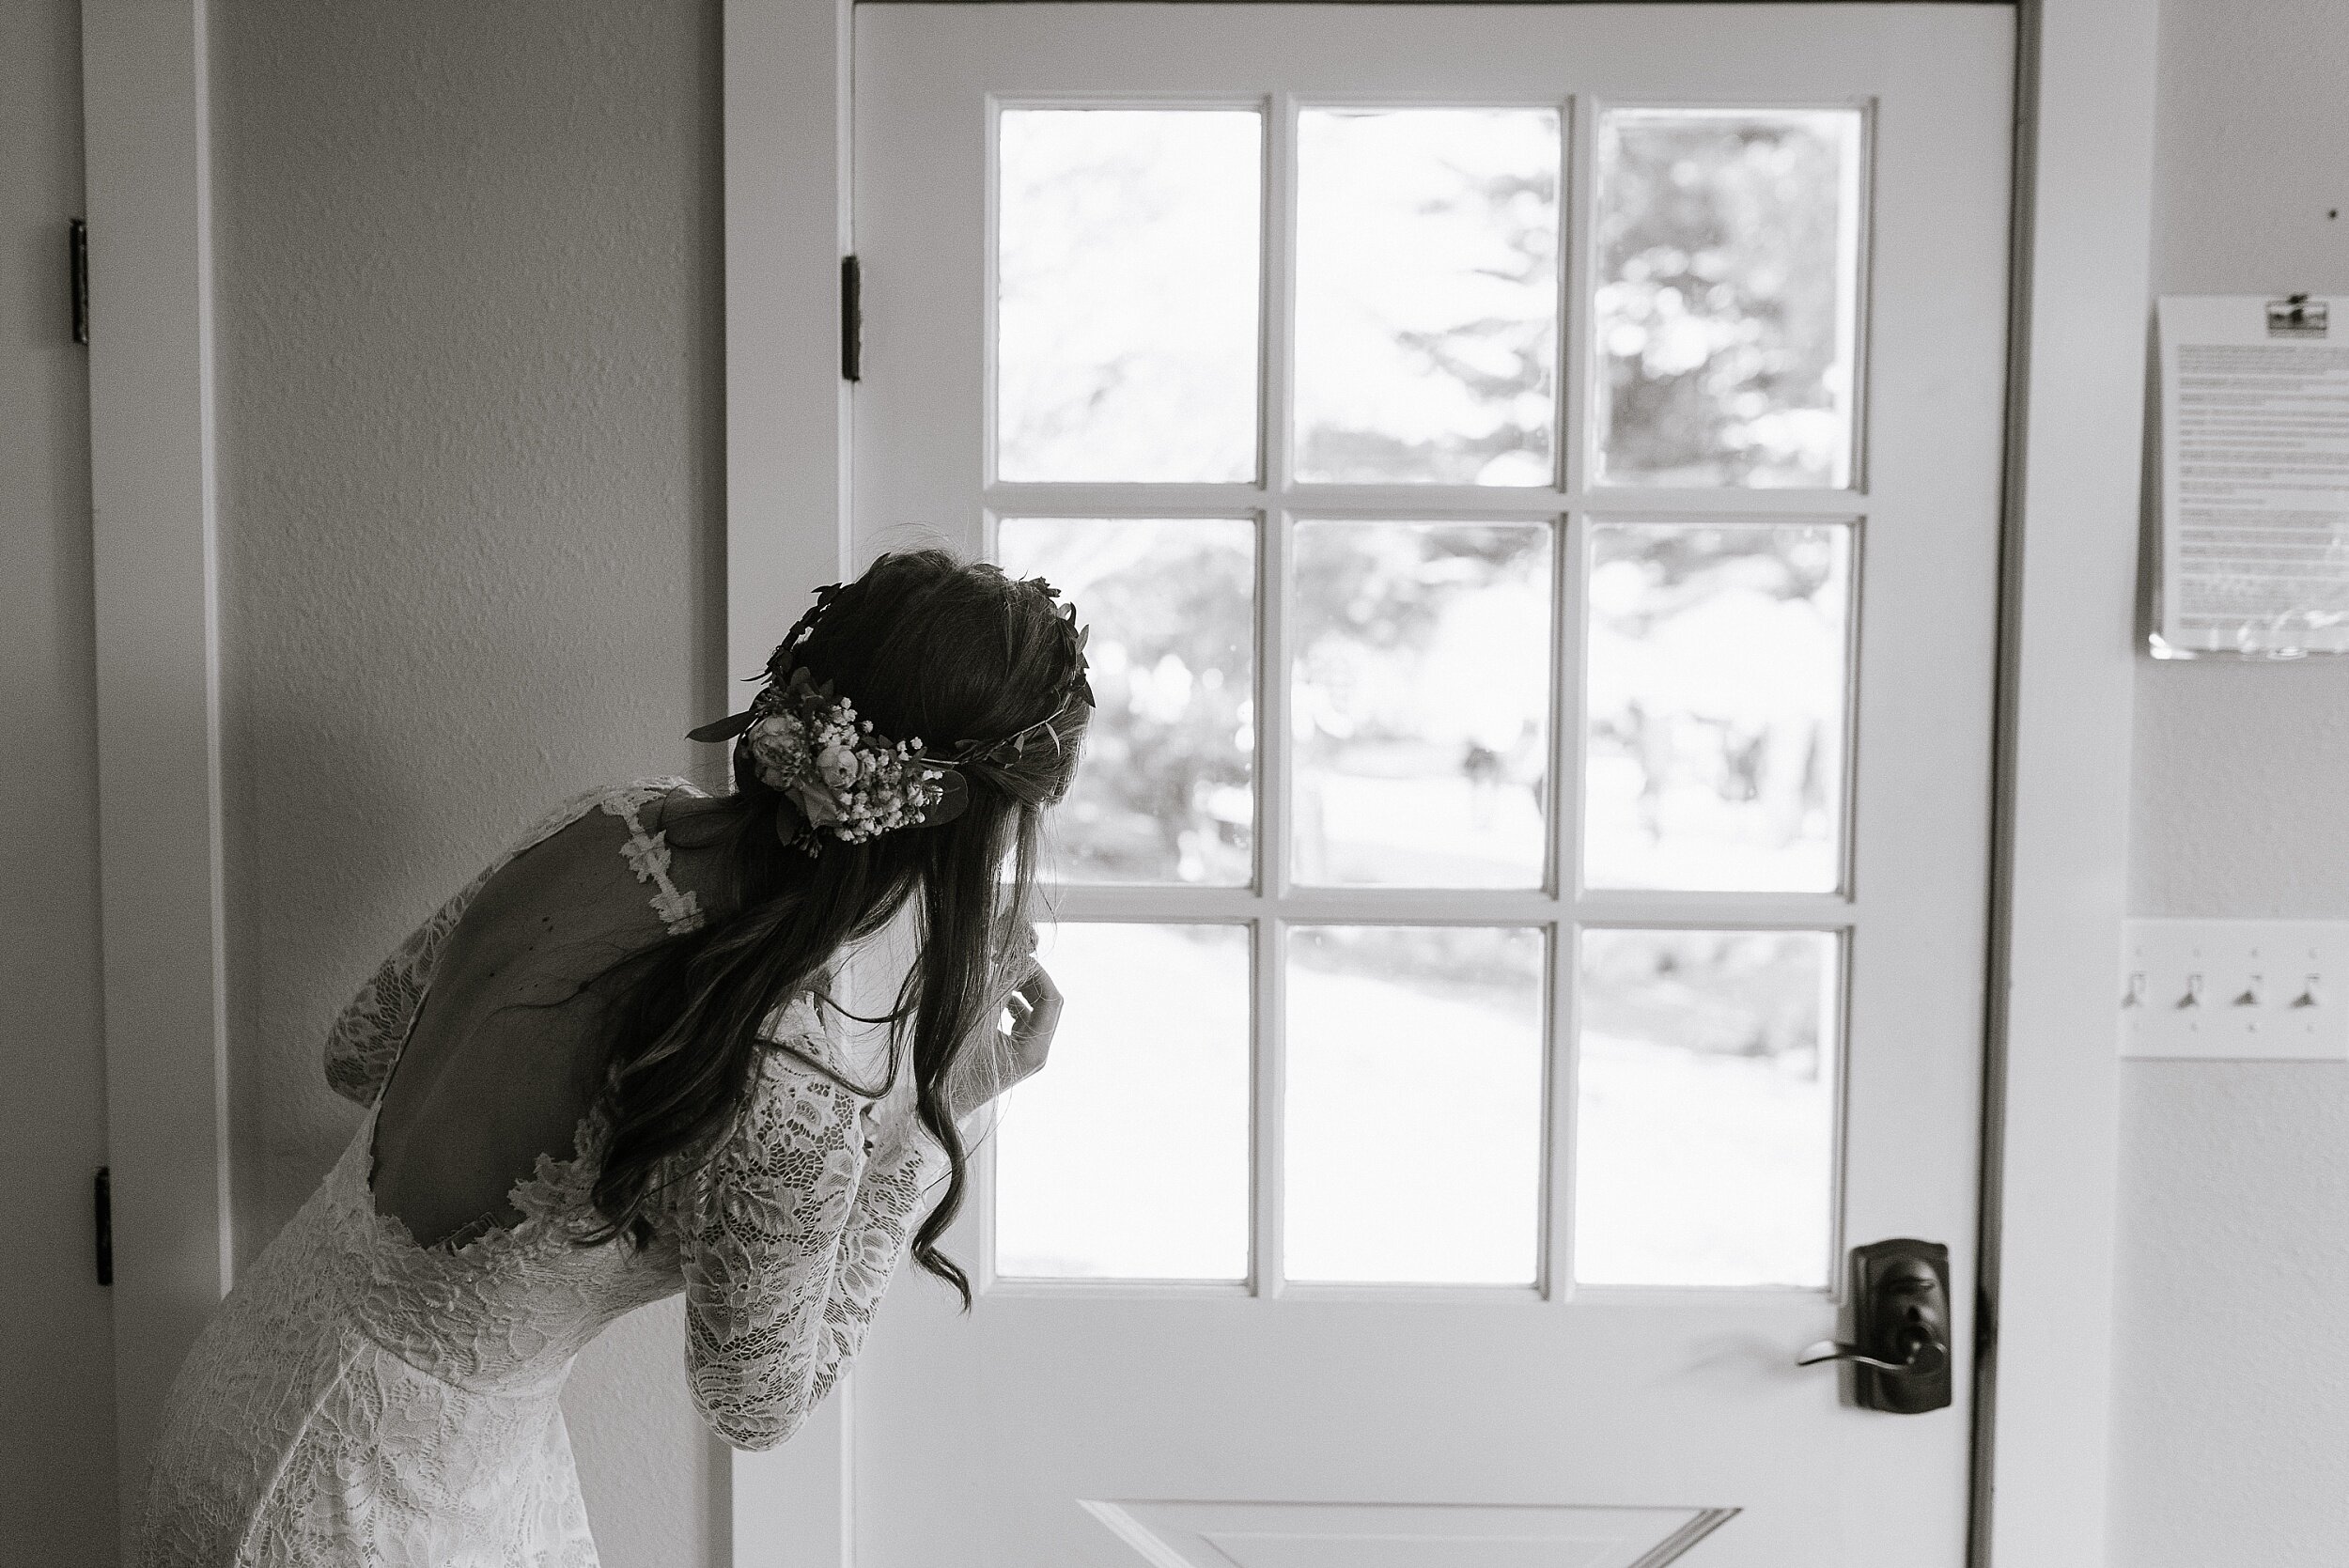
(359, 1399)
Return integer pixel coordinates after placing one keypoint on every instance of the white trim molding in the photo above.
(787, 227)
(2084, 170)
(149, 188)
(787, 76)
(792, 1505)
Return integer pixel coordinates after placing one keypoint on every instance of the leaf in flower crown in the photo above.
(951, 804)
(815, 803)
(724, 729)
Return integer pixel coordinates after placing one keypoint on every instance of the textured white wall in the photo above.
(56, 1353)
(470, 339)
(2231, 1406)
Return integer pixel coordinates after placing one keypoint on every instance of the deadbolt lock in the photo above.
(1900, 1349)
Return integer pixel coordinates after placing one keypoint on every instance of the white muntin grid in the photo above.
(1272, 903)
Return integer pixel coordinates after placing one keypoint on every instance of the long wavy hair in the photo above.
(924, 644)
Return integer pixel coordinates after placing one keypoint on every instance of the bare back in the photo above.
(502, 1063)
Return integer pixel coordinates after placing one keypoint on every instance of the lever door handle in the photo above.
(1831, 1350)
(1928, 1353)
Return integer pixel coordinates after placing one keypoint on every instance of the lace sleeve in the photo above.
(796, 1227)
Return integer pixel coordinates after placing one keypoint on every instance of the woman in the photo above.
(611, 1069)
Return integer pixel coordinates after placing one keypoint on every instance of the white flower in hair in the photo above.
(838, 764)
(778, 748)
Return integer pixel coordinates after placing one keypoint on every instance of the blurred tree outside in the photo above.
(1721, 309)
(1127, 290)
(1423, 685)
(1718, 335)
(1164, 792)
(1715, 706)
(1719, 993)
(1428, 277)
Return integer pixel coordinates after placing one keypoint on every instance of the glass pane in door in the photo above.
(1127, 294)
(1715, 693)
(1726, 313)
(1413, 1124)
(1165, 793)
(1705, 1122)
(1420, 704)
(1427, 295)
(1129, 1157)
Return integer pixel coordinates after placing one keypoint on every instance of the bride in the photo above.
(611, 1069)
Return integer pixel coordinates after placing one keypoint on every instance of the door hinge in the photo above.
(851, 320)
(103, 1193)
(77, 253)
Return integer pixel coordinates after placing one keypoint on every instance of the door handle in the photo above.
(1900, 1356)
(1925, 1356)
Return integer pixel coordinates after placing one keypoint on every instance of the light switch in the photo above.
(2240, 989)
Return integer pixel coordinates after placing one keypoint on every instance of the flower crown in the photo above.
(844, 780)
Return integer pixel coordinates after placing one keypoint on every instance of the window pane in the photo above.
(1126, 1156)
(1728, 263)
(1716, 671)
(1165, 793)
(1427, 295)
(1704, 1150)
(1414, 1104)
(1127, 312)
(1420, 702)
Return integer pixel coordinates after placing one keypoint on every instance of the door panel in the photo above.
(1534, 476)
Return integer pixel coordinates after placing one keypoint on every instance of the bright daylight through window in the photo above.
(1391, 703)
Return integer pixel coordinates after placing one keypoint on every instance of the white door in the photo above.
(1532, 475)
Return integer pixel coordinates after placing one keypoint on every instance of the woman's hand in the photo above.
(998, 1058)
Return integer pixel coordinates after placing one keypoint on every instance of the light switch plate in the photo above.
(2270, 991)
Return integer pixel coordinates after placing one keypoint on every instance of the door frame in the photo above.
(2086, 77)
(146, 191)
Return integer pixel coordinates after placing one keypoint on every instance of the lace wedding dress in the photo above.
(362, 1400)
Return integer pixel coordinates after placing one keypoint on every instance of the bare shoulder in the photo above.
(579, 881)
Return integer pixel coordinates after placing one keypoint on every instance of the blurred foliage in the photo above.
(1127, 294)
(1716, 312)
(1421, 663)
(1722, 993)
(1734, 993)
(1386, 586)
(1716, 662)
(1490, 966)
(1717, 246)
(1499, 362)
(1801, 560)
(1717, 315)
(1162, 795)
